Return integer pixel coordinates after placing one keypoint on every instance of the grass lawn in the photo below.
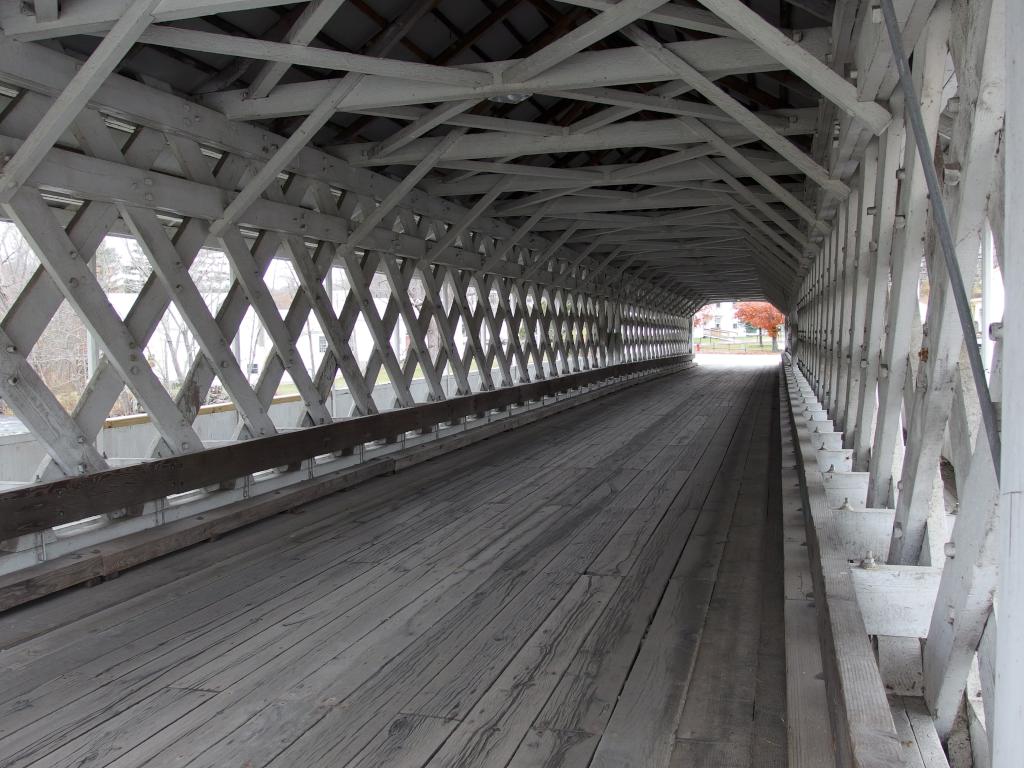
(742, 345)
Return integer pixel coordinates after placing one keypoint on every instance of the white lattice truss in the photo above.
(531, 269)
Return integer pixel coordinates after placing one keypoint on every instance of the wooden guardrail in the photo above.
(39, 507)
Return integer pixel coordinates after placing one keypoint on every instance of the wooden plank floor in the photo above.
(600, 589)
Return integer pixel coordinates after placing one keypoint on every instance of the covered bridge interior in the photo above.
(382, 440)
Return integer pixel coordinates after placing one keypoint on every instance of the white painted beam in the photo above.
(641, 133)
(290, 54)
(605, 23)
(789, 53)
(737, 111)
(88, 16)
(622, 66)
(270, 170)
(172, 272)
(908, 250)
(447, 240)
(1008, 709)
(439, 115)
(76, 95)
(25, 392)
(250, 277)
(729, 152)
(46, 10)
(672, 15)
(81, 289)
(642, 101)
(313, 18)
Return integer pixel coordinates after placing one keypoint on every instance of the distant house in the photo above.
(720, 322)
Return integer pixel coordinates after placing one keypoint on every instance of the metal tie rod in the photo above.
(963, 307)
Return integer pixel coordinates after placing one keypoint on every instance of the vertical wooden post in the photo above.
(880, 249)
(863, 265)
(1006, 732)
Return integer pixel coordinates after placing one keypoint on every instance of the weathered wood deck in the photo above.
(599, 589)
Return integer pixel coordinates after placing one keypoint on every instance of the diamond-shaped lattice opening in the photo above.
(472, 297)
(360, 341)
(433, 340)
(217, 393)
(126, 404)
(17, 264)
(396, 332)
(171, 350)
(282, 282)
(61, 354)
(122, 270)
(460, 333)
(252, 346)
(312, 344)
(339, 288)
(451, 385)
(211, 273)
(446, 288)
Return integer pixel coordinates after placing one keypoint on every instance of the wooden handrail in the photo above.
(39, 507)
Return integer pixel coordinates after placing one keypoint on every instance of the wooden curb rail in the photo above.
(39, 507)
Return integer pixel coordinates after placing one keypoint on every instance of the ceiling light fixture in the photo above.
(510, 98)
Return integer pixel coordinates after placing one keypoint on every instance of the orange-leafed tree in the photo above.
(703, 316)
(762, 316)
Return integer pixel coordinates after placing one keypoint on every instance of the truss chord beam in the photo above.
(100, 15)
(737, 111)
(313, 18)
(660, 134)
(789, 53)
(73, 99)
(623, 66)
(270, 170)
(606, 22)
(439, 115)
(281, 56)
(448, 238)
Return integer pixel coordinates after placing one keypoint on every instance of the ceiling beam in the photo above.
(527, 181)
(641, 101)
(75, 96)
(621, 202)
(621, 66)
(88, 16)
(820, 9)
(288, 54)
(672, 15)
(313, 18)
(738, 112)
(288, 151)
(610, 20)
(647, 133)
(788, 52)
